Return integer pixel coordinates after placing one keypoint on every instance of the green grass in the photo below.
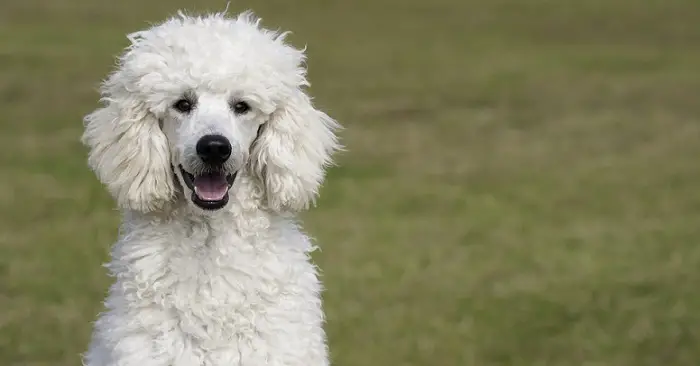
(521, 186)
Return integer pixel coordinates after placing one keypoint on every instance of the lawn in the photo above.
(521, 185)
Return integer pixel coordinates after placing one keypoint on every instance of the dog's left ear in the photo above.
(291, 153)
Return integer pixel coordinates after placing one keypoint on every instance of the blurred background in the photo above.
(521, 185)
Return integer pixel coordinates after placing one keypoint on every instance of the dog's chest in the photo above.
(231, 292)
(233, 304)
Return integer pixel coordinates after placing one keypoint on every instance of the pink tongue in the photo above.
(210, 187)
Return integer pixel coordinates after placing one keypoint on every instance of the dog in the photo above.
(210, 147)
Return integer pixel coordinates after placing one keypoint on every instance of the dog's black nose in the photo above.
(214, 149)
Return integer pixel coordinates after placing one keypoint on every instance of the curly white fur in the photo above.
(233, 286)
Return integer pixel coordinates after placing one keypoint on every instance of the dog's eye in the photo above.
(183, 105)
(241, 107)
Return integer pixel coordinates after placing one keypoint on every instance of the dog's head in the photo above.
(196, 104)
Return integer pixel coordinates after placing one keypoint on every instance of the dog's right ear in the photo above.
(128, 151)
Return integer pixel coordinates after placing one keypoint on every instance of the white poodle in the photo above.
(210, 146)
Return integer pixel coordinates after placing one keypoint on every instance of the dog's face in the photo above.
(210, 136)
(197, 105)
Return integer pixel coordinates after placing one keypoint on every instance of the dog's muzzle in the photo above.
(210, 187)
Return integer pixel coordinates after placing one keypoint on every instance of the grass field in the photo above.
(521, 186)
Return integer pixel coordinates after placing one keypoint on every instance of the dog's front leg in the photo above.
(121, 340)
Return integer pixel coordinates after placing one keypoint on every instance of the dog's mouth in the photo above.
(209, 189)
